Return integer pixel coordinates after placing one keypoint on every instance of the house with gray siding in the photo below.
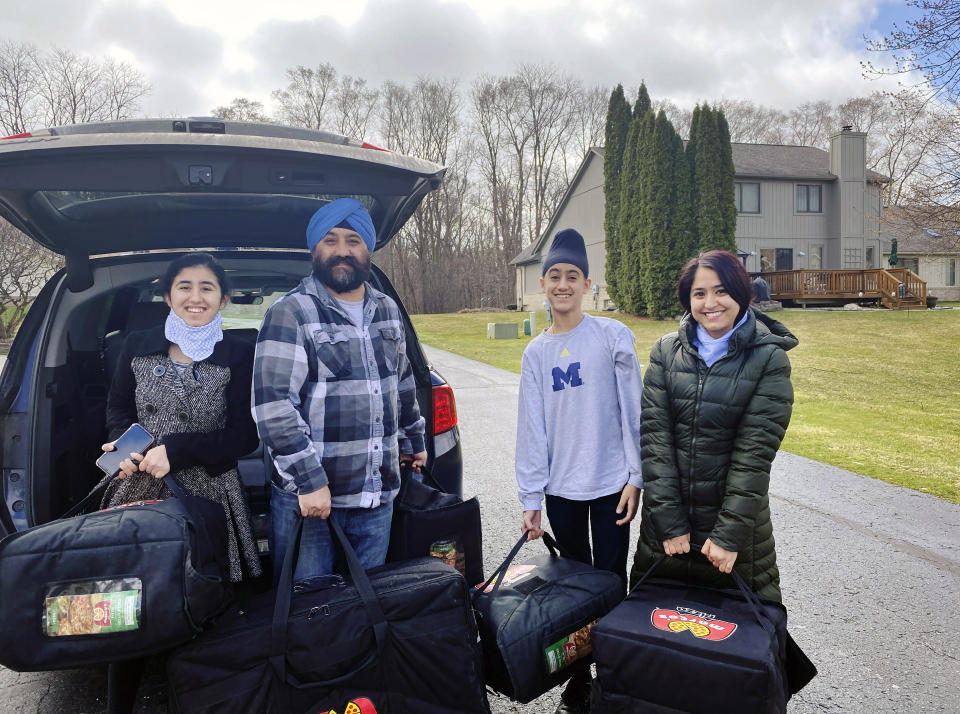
(928, 248)
(797, 207)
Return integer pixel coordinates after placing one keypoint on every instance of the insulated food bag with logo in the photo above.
(677, 647)
(535, 619)
(115, 584)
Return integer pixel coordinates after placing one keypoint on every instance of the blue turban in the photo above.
(348, 210)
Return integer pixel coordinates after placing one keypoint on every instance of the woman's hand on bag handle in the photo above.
(155, 461)
(721, 558)
(678, 545)
(531, 525)
(127, 467)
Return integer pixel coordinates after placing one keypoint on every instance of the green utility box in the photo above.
(526, 326)
(503, 331)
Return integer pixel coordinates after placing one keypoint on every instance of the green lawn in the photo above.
(876, 392)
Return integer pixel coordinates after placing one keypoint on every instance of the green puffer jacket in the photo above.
(709, 436)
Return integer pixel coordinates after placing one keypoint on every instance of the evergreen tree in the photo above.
(643, 101)
(629, 219)
(710, 159)
(666, 231)
(618, 125)
(727, 240)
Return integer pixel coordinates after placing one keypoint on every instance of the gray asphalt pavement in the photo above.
(870, 575)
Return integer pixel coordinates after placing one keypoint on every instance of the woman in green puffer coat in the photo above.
(716, 402)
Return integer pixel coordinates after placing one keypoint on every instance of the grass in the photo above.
(876, 392)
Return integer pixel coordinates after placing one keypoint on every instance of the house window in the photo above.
(951, 273)
(747, 197)
(816, 257)
(851, 259)
(911, 264)
(809, 198)
(869, 261)
(772, 259)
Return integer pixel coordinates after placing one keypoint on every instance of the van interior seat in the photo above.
(140, 316)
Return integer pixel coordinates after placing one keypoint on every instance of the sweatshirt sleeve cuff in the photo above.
(532, 503)
(636, 479)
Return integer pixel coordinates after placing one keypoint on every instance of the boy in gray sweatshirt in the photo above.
(578, 429)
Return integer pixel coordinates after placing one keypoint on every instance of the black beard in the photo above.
(357, 276)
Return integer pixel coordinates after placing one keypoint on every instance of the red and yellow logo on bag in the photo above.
(699, 624)
(360, 705)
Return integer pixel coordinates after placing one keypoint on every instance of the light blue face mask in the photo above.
(197, 343)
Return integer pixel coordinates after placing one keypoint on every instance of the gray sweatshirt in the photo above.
(578, 428)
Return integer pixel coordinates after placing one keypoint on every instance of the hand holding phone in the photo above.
(135, 440)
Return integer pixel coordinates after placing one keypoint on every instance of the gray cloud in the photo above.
(773, 53)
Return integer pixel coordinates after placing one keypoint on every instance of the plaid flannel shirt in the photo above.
(336, 403)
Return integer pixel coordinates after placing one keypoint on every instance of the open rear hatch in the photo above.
(84, 194)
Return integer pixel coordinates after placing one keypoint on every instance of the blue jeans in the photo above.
(367, 529)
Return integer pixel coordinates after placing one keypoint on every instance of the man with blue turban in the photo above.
(334, 398)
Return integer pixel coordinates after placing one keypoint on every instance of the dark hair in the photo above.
(188, 261)
(733, 276)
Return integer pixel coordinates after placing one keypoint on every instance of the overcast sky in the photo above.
(198, 54)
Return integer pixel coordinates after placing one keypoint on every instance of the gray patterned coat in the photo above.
(202, 416)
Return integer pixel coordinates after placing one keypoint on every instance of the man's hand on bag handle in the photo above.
(531, 524)
(415, 460)
(678, 545)
(316, 504)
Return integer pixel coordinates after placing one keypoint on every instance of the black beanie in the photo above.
(567, 247)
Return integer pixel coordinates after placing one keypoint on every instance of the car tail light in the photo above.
(24, 135)
(444, 409)
(365, 145)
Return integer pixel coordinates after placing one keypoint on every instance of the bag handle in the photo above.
(94, 496)
(748, 594)
(406, 470)
(281, 610)
(555, 551)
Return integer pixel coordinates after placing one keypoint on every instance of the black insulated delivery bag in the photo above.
(397, 638)
(427, 521)
(676, 647)
(119, 583)
(535, 619)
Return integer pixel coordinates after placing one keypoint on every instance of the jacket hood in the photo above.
(759, 329)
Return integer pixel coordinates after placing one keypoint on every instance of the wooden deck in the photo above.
(841, 286)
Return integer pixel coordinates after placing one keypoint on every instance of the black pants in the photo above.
(572, 523)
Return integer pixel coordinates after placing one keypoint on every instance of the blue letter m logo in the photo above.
(571, 376)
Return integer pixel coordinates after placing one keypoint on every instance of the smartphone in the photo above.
(134, 440)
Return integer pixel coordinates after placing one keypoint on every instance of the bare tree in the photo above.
(306, 98)
(425, 120)
(61, 87)
(354, 105)
(929, 46)
(19, 86)
(929, 111)
(25, 267)
(242, 109)
(811, 124)
(124, 87)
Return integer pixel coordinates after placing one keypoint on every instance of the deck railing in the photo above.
(873, 284)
